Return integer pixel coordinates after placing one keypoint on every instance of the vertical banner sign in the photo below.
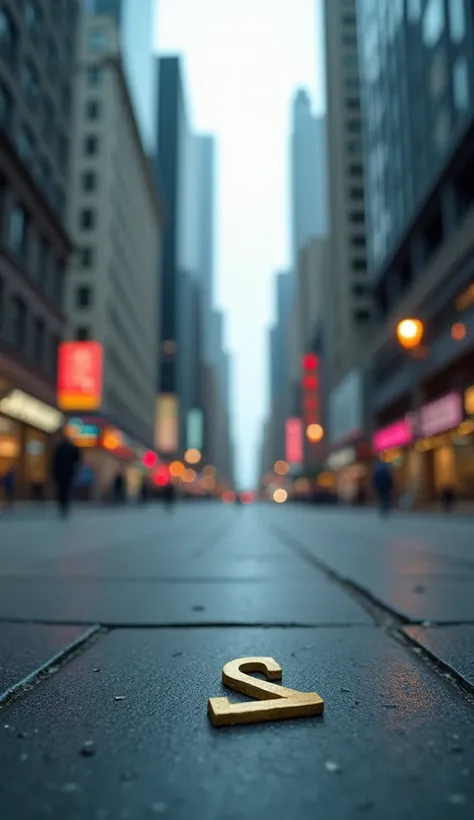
(311, 389)
(294, 441)
(194, 429)
(80, 376)
(166, 424)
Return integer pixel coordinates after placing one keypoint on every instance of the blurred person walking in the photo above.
(382, 482)
(66, 459)
(8, 485)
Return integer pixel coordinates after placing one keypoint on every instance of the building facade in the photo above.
(420, 194)
(37, 66)
(116, 220)
(179, 384)
(135, 19)
(308, 174)
(347, 291)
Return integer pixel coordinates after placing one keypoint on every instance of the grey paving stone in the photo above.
(384, 747)
(453, 645)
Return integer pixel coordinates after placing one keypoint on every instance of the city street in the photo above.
(115, 626)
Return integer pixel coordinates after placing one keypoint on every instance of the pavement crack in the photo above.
(52, 665)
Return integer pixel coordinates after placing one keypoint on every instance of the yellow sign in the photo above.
(273, 702)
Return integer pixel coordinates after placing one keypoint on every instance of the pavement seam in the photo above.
(109, 627)
(388, 619)
(59, 658)
(430, 659)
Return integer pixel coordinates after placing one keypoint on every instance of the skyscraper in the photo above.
(177, 166)
(308, 174)
(347, 311)
(37, 70)
(116, 220)
(135, 20)
(417, 73)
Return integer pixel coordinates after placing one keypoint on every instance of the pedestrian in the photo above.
(169, 495)
(118, 488)
(448, 498)
(66, 460)
(8, 483)
(382, 482)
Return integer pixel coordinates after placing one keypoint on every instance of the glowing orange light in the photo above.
(458, 331)
(314, 433)
(192, 456)
(410, 332)
(189, 475)
(177, 469)
(228, 497)
(281, 467)
(280, 496)
(208, 482)
(112, 440)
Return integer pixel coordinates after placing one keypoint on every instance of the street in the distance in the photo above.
(119, 624)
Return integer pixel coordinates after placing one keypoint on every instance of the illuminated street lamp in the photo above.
(410, 333)
(314, 433)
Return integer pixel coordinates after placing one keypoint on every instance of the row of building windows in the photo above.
(36, 29)
(32, 252)
(27, 333)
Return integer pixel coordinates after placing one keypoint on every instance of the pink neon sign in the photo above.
(294, 441)
(441, 415)
(395, 435)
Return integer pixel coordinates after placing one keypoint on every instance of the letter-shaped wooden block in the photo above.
(274, 702)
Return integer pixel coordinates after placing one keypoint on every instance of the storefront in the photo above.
(433, 451)
(351, 468)
(27, 429)
(106, 452)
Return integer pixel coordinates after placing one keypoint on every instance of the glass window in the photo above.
(18, 322)
(53, 58)
(91, 145)
(438, 74)
(8, 37)
(42, 265)
(82, 334)
(433, 22)
(86, 257)
(92, 109)
(97, 39)
(18, 235)
(461, 84)
(457, 20)
(47, 117)
(26, 146)
(30, 83)
(87, 219)
(89, 181)
(442, 129)
(93, 75)
(83, 296)
(63, 151)
(34, 19)
(38, 342)
(58, 284)
(6, 109)
(414, 10)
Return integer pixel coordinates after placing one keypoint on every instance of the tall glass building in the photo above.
(417, 72)
(136, 22)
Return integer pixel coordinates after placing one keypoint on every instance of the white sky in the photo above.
(243, 61)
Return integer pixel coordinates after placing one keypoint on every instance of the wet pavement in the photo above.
(115, 626)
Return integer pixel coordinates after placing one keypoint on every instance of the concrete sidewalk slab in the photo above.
(396, 741)
(285, 601)
(452, 645)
